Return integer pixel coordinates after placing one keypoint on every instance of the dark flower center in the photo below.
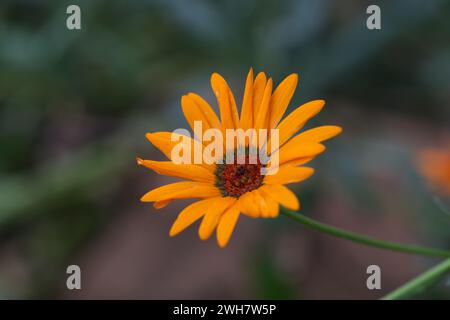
(235, 179)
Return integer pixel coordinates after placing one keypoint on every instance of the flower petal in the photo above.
(272, 206)
(281, 98)
(161, 204)
(297, 162)
(190, 214)
(185, 171)
(247, 205)
(195, 108)
(282, 195)
(434, 165)
(246, 120)
(227, 103)
(182, 190)
(318, 134)
(163, 141)
(289, 174)
(262, 116)
(226, 225)
(261, 204)
(213, 215)
(297, 119)
(294, 150)
(258, 92)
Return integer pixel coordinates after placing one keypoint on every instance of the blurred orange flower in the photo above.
(434, 164)
(229, 189)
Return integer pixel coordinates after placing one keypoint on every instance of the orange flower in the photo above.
(228, 190)
(434, 164)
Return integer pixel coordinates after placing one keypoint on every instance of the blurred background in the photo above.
(75, 106)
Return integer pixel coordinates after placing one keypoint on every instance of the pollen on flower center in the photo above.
(235, 179)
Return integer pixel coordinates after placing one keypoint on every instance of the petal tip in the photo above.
(150, 137)
(202, 236)
(173, 232)
(222, 244)
(293, 76)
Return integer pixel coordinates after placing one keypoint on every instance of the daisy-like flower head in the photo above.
(228, 189)
(434, 164)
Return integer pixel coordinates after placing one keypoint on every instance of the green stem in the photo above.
(421, 282)
(340, 233)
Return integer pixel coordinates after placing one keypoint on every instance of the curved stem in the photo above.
(421, 282)
(441, 206)
(340, 233)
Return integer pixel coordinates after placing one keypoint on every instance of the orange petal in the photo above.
(226, 225)
(434, 164)
(166, 141)
(260, 202)
(246, 120)
(258, 92)
(297, 162)
(282, 195)
(262, 117)
(281, 98)
(295, 150)
(185, 171)
(297, 119)
(182, 190)
(162, 141)
(247, 205)
(161, 204)
(288, 174)
(318, 134)
(195, 108)
(272, 206)
(227, 104)
(190, 214)
(213, 215)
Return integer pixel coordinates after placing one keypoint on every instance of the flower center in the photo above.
(235, 179)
